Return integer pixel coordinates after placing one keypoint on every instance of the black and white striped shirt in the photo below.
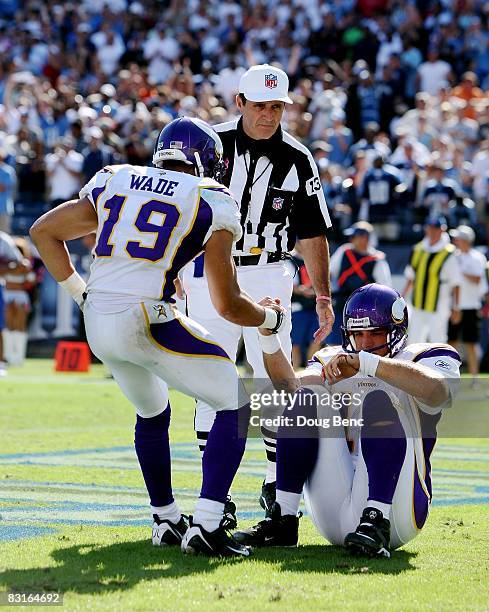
(277, 185)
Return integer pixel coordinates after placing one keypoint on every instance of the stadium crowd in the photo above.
(391, 97)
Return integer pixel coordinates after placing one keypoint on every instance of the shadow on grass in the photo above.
(121, 566)
(334, 559)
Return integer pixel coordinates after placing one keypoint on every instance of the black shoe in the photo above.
(218, 543)
(276, 530)
(166, 533)
(230, 521)
(267, 497)
(372, 536)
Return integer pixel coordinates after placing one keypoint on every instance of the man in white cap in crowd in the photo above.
(275, 180)
(473, 286)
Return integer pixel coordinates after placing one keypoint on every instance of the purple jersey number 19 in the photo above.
(142, 222)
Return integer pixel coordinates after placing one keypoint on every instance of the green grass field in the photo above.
(74, 517)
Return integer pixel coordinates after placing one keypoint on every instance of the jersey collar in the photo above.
(269, 147)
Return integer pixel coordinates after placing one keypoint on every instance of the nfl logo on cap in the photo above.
(271, 81)
(277, 203)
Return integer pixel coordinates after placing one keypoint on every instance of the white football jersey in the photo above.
(419, 420)
(151, 222)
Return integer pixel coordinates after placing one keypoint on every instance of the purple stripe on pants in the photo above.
(173, 336)
(420, 501)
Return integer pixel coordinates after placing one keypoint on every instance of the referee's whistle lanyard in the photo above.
(250, 180)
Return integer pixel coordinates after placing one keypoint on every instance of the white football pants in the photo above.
(337, 492)
(147, 350)
(259, 281)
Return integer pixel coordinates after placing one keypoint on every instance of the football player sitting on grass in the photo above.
(362, 460)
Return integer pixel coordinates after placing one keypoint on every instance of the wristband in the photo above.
(323, 298)
(76, 287)
(269, 344)
(368, 363)
(271, 319)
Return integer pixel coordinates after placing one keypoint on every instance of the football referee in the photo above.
(275, 180)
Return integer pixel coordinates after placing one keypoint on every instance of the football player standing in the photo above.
(149, 223)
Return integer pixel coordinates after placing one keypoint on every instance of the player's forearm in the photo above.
(277, 365)
(53, 253)
(414, 380)
(315, 252)
(240, 309)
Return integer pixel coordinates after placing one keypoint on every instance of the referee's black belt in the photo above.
(254, 260)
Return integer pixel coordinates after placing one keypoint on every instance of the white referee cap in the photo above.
(265, 83)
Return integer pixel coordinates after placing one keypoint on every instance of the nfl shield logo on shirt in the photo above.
(271, 81)
(277, 203)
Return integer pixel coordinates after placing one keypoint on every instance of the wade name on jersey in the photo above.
(145, 183)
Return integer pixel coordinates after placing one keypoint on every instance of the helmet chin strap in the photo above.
(390, 344)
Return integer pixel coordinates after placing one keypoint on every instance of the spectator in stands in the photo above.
(379, 196)
(339, 137)
(11, 262)
(433, 276)
(8, 186)
(64, 172)
(371, 144)
(473, 287)
(433, 73)
(96, 155)
(440, 192)
(468, 92)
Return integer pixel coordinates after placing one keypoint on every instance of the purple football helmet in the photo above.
(371, 307)
(191, 141)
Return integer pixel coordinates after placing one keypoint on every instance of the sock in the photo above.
(208, 513)
(153, 452)
(223, 452)
(383, 443)
(297, 448)
(8, 346)
(171, 512)
(384, 508)
(271, 450)
(288, 502)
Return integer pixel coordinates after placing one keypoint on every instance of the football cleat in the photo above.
(218, 543)
(166, 533)
(230, 521)
(267, 497)
(372, 536)
(276, 530)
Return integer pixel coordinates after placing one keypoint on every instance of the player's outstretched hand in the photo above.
(326, 319)
(344, 365)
